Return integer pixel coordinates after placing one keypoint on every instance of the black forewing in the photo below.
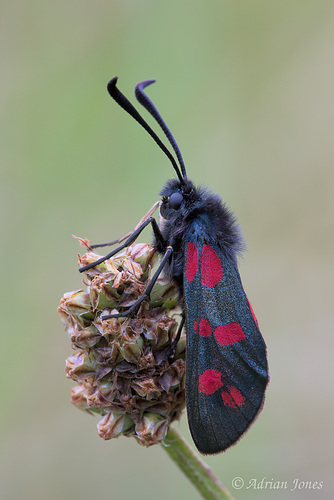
(214, 424)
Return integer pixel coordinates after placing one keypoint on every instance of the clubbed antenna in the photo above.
(117, 95)
(149, 106)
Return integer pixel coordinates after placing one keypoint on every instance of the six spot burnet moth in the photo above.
(199, 239)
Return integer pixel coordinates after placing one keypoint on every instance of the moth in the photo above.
(199, 241)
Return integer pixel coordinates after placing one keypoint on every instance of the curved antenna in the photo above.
(117, 95)
(149, 106)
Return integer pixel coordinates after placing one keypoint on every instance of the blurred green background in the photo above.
(247, 89)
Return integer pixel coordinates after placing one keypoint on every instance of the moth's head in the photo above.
(176, 197)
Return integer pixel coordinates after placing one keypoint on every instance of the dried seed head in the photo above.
(120, 364)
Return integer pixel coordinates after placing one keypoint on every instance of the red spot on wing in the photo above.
(229, 334)
(204, 328)
(191, 261)
(196, 325)
(212, 271)
(253, 314)
(232, 397)
(210, 381)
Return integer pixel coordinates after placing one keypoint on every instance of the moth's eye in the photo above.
(175, 200)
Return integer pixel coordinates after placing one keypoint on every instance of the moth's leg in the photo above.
(178, 336)
(148, 290)
(111, 243)
(175, 341)
(131, 239)
(122, 238)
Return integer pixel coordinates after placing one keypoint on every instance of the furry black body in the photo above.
(202, 210)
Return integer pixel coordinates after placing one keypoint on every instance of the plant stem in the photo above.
(194, 468)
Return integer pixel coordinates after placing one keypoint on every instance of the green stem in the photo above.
(194, 468)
